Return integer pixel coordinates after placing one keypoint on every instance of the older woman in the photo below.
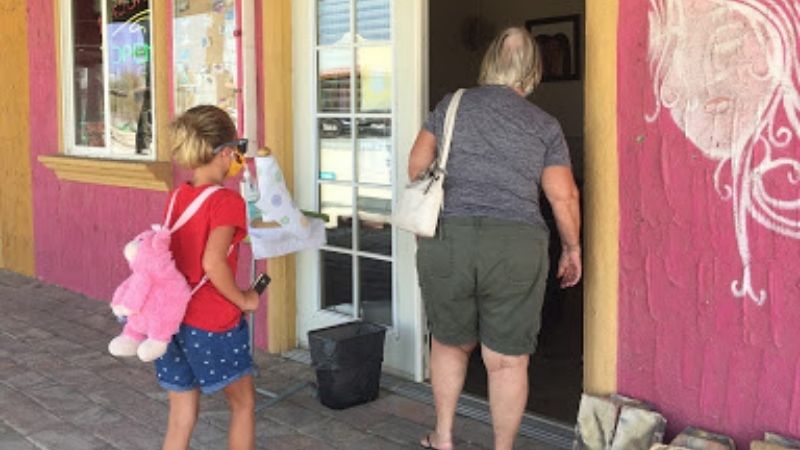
(483, 275)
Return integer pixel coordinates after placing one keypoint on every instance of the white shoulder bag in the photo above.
(423, 199)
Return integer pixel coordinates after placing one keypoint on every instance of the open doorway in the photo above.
(460, 31)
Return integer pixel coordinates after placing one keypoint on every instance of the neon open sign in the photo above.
(138, 53)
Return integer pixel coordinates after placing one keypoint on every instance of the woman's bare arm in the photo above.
(562, 193)
(422, 154)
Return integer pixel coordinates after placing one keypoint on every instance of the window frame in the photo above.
(67, 82)
(154, 173)
(354, 115)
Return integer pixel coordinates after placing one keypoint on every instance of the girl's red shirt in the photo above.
(208, 309)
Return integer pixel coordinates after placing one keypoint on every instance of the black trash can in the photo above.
(347, 359)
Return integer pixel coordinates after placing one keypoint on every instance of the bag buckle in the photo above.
(434, 173)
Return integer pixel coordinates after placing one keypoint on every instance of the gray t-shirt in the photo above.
(501, 143)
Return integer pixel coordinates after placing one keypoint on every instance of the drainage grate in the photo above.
(535, 427)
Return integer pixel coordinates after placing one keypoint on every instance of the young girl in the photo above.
(210, 352)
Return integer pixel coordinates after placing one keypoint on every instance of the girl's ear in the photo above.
(220, 156)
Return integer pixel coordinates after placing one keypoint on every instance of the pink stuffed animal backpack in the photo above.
(155, 295)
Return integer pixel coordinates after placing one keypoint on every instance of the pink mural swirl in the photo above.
(728, 73)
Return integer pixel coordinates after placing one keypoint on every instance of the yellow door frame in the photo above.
(601, 199)
(278, 126)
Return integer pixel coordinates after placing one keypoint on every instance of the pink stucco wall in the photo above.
(80, 229)
(702, 354)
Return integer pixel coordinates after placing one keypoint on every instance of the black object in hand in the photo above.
(261, 283)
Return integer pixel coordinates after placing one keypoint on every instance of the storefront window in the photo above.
(109, 85)
(206, 54)
(355, 154)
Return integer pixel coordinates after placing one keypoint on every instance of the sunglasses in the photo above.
(239, 144)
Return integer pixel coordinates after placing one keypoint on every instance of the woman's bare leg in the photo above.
(508, 394)
(448, 370)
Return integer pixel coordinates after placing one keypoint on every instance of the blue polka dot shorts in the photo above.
(202, 359)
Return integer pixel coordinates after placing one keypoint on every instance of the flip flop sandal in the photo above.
(428, 445)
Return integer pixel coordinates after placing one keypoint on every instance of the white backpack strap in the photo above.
(192, 209)
(171, 206)
(188, 214)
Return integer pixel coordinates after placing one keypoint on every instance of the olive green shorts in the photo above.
(483, 280)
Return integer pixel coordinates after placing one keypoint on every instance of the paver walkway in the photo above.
(61, 390)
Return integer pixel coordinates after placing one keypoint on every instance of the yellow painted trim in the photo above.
(16, 205)
(601, 257)
(155, 176)
(161, 80)
(277, 41)
(148, 175)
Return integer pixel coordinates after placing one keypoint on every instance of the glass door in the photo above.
(351, 132)
(354, 153)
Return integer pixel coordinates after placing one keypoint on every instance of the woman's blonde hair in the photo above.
(512, 60)
(196, 132)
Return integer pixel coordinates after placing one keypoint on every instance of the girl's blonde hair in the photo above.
(196, 132)
(512, 60)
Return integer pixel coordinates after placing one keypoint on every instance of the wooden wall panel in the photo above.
(277, 76)
(16, 210)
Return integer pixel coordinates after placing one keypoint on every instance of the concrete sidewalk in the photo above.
(61, 390)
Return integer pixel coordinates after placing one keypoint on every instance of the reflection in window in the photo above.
(336, 149)
(333, 18)
(128, 36)
(375, 221)
(374, 147)
(374, 79)
(373, 20)
(110, 90)
(88, 79)
(375, 290)
(337, 290)
(205, 55)
(334, 80)
(337, 203)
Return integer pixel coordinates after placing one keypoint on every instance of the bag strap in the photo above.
(190, 211)
(171, 206)
(449, 124)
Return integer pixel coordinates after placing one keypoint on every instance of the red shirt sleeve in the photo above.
(227, 208)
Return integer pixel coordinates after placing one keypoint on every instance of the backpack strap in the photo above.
(171, 206)
(190, 210)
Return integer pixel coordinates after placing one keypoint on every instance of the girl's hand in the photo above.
(250, 301)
